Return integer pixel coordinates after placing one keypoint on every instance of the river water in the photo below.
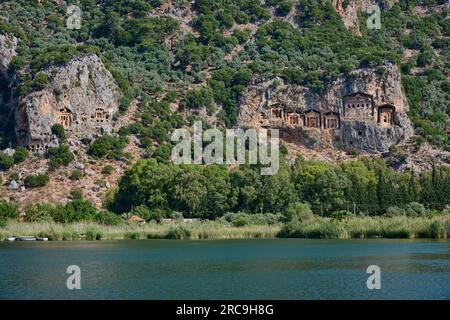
(226, 269)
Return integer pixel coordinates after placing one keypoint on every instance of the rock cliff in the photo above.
(8, 46)
(348, 10)
(81, 95)
(365, 110)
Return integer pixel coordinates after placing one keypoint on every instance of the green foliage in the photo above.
(298, 211)
(107, 169)
(415, 209)
(8, 211)
(197, 99)
(6, 161)
(74, 211)
(76, 194)
(241, 219)
(340, 214)
(14, 176)
(20, 155)
(35, 181)
(60, 156)
(108, 218)
(395, 212)
(151, 53)
(38, 212)
(283, 7)
(176, 215)
(40, 80)
(58, 130)
(108, 146)
(76, 175)
(179, 232)
(366, 187)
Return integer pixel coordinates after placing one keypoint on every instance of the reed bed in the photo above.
(437, 227)
(94, 231)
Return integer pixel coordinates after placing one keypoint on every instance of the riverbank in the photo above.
(437, 227)
(151, 230)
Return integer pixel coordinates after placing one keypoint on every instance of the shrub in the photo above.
(20, 155)
(156, 215)
(414, 209)
(39, 212)
(8, 211)
(34, 181)
(76, 175)
(145, 213)
(6, 161)
(299, 211)
(340, 214)
(395, 212)
(14, 176)
(199, 98)
(107, 169)
(73, 211)
(58, 130)
(176, 215)
(76, 194)
(81, 210)
(142, 211)
(40, 80)
(108, 218)
(109, 146)
(240, 222)
(59, 156)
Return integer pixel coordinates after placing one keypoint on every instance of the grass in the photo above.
(437, 227)
(94, 231)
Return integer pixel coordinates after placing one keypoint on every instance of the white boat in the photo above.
(41, 239)
(25, 238)
(11, 239)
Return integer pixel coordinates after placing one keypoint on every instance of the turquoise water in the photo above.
(226, 269)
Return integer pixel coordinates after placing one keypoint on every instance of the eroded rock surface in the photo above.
(81, 95)
(348, 10)
(364, 111)
(8, 46)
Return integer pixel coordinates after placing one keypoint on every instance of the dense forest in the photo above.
(365, 187)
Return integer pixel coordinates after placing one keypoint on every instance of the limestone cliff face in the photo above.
(81, 95)
(348, 10)
(8, 46)
(364, 111)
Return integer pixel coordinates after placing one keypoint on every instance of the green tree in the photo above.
(58, 130)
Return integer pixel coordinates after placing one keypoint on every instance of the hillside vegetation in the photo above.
(151, 51)
(179, 61)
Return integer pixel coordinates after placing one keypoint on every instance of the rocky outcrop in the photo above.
(81, 95)
(8, 46)
(348, 10)
(333, 118)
